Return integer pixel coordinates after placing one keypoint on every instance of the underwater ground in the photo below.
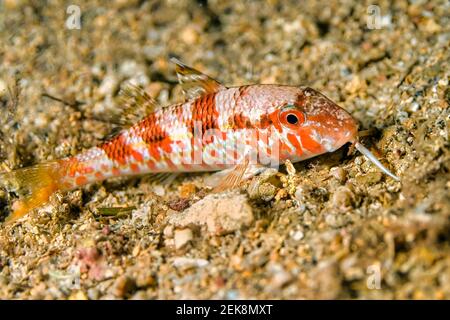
(332, 227)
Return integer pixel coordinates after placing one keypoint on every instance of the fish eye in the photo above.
(292, 118)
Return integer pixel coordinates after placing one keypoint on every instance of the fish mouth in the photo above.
(349, 132)
(348, 136)
(332, 141)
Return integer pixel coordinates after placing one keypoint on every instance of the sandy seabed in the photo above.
(332, 227)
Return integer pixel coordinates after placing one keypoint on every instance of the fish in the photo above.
(237, 132)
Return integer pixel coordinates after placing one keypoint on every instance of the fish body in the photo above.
(215, 129)
(203, 134)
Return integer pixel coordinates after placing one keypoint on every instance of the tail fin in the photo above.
(38, 182)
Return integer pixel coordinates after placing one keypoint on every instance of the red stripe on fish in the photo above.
(204, 111)
(118, 149)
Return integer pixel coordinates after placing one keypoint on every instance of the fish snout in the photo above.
(343, 129)
(348, 132)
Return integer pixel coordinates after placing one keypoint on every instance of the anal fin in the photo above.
(163, 178)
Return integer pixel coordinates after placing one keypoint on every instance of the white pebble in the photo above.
(297, 235)
(184, 262)
(182, 237)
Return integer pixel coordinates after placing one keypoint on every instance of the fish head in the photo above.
(313, 124)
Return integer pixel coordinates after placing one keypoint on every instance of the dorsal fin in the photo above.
(194, 82)
(136, 104)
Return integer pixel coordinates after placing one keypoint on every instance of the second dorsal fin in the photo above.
(194, 82)
(136, 104)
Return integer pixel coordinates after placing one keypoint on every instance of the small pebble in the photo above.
(219, 213)
(189, 35)
(184, 262)
(338, 173)
(78, 295)
(182, 238)
(297, 235)
(168, 231)
(108, 85)
(123, 286)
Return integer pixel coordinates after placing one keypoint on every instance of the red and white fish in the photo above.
(236, 130)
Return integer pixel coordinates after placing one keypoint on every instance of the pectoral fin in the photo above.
(233, 177)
